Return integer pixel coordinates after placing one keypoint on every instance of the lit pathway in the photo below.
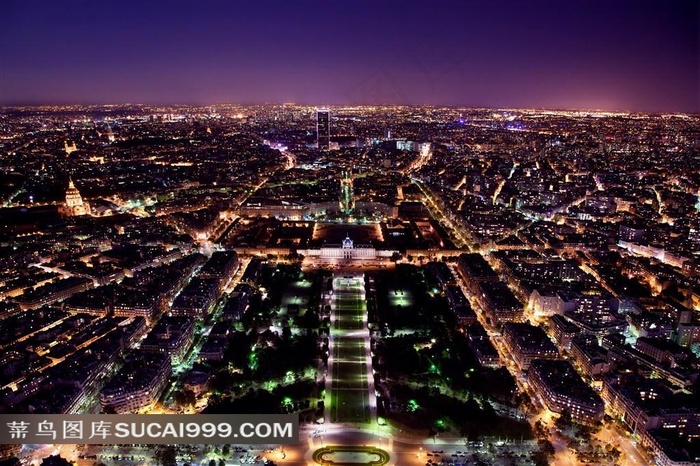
(350, 386)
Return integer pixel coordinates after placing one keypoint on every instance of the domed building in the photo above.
(74, 205)
(348, 250)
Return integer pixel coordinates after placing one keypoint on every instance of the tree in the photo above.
(184, 397)
(564, 421)
(545, 453)
(540, 430)
(540, 459)
(546, 447)
(166, 455)
(584, 433)
(55, 460)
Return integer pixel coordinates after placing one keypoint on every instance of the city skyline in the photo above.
(578, 55)
(506, 287)
(385, 233)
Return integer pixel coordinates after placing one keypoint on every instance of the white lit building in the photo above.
(138, 384)
(348, 250)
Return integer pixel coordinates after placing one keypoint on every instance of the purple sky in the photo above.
(617, 55)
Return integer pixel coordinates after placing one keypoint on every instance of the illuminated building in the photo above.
(563, 331)
(667, 450)
(647, 404)
(662, 351)
(475, 270)
(69, 147)
(499, 303)
(527, 342)
(172, 336)
(134, 305)
(347, 196)
(273, 208)
(460, 305)
(74, 206)
(197, 299)
(348, 250)
(52, 292)
(688, 334)
(588, 356)
(481, 346)
(222, 266)
(138, 384)
(561, 389)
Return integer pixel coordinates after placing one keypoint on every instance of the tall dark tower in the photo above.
(323, 128)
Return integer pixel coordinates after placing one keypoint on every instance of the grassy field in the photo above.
(349, 389)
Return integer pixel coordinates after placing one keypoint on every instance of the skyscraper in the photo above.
(323, 128)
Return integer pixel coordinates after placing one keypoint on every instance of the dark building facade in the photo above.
(323, 128)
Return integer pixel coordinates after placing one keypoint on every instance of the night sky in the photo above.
(603, 54)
